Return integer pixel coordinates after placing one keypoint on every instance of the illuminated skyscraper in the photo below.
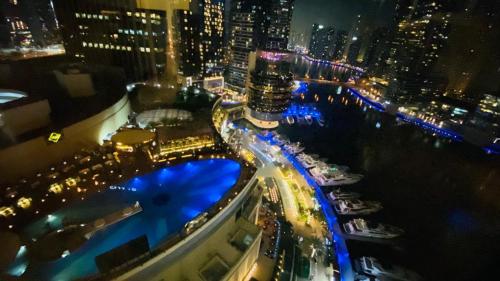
(187, 42)
(339, 46)
(322, 42)
(280, 18)
(263, 24)
(211, 25)
(269, 87)
(115, 33)
(248, 23)
(422, 33)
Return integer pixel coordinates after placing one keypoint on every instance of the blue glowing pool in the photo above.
(170, 197)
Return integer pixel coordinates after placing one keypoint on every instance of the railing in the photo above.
(178, 237)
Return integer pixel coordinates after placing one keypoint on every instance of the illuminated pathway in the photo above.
(259, 148)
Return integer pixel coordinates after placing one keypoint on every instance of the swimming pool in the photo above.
(170, 197)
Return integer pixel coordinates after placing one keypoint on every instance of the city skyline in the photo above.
(249, 140)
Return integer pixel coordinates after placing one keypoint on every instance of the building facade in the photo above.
(340, 43)
(187, 42)
(269, 87)
(248, 23)
(422, 33)
(115, 33)
(322, 42)
(280, 18)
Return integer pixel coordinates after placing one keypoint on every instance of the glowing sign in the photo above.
(54, 137)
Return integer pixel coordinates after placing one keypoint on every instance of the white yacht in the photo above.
(356, 207)
(280, 140)
(306, 161)
(337, 194)
(321, 121)
(373, 267)
(293, 148)
(363, 228)
(309, 119)
(290, 120)
(333, 175)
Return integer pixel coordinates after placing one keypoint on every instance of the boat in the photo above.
(384, 271)
(306, 161)
(321, 121)
(356, 207)
(337, 194)
(363, 228)
(280, 140)
(293, 148)
(309, 119)
(333, 175)
(290, 120)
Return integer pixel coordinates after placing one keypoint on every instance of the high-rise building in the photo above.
(15, 30)
(340, 43)
(297, 40)
(200, 26)
(269, 87)
(280, 18)
(376, 51)
(187, 42)
(322, 42)
(211, 25)
(354, 51)
(421, 36)
(41, 20)
(115, 33)
(353, 37)
(246, 26)
(471, 56)
(256, 24)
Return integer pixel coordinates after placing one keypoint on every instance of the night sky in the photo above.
(339, 13)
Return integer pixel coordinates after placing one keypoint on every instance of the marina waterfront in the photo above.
(445, 194)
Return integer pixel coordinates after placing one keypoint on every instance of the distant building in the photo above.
(353, 37)
(246, 19)
(115, 33)
(256, 24)
(211, 26)
(187, 42)
(280, 18)
(354, 51)
(198, 39)
(322, 42)
(15, 31)
(269, 87)
(297, 40)
(340, 43)
(376, 51)
(421, 36)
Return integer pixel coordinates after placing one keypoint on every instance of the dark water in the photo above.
(445, 195)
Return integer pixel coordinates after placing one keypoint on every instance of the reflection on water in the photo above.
(445, 194)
